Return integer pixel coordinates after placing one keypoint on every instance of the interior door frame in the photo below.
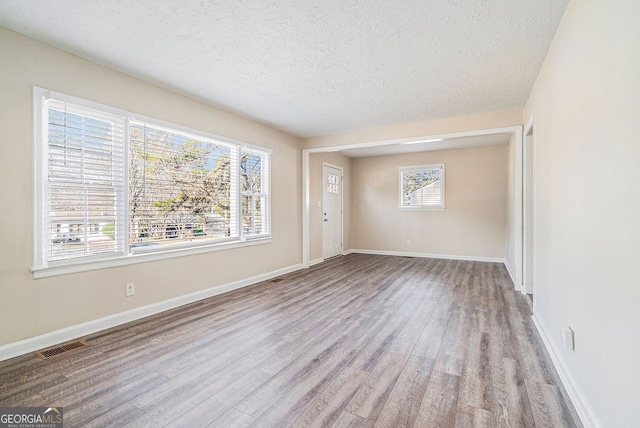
(327, 164)
(529, 138)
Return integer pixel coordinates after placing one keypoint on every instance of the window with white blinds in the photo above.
(110, 185)
(254, 185)
(422, 187)
(84, 189)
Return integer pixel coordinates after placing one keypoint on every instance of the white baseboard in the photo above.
(321, 260)
(511, 274)
(46, 340)
(316, 262)
(430, 256)
(583, 408)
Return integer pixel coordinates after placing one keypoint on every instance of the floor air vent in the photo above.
(61, 349)
(277, 280)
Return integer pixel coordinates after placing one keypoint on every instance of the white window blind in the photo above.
(254, 190)
(422, 187)
(179, 187)
(83, 189)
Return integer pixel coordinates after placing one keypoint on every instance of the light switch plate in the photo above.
(569, 338)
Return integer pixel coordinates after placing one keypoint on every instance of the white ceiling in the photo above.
(312, 67)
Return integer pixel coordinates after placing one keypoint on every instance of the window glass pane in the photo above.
(422, 187)
(179, 187)
(247, 225)
(253, 190)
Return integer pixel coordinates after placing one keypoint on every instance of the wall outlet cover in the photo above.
(129, 289)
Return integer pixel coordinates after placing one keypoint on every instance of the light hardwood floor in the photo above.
(356, 341)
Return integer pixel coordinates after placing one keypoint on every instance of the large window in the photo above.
(110, 185)
(422, 187)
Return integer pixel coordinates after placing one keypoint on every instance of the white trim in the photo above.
(586, 413)
(194, 133)
(38, 176)
(123, 239)
(321, 260)
(77, 266)
(430, 255)
(518, 212)
(510, 272)
(66, 334)
(422, 208)
(516, 129)
(529, 128)
(305, 208)
(502, 130)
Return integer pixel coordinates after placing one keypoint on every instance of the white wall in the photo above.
(473, 224)
(31, 307)
(586, 103)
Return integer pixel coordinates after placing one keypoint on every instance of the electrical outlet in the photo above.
(408, 242)
(129, 289)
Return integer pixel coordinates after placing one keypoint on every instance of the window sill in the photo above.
(422, 208)
(75, 267)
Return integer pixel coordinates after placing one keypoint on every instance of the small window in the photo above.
(332, 183)
(422, 187)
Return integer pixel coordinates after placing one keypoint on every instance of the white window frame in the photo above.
(402, 206)
(43, 268)
(265, 194)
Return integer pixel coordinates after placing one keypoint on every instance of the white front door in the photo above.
(331, 211)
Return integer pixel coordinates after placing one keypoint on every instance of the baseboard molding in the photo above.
(316, 262)
(321, 260)
(46, 340)
(511, 274)
(430, 256)
(583, 408)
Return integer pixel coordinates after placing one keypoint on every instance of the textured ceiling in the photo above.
(312, 67)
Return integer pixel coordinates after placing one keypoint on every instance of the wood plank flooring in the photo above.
(358, 341)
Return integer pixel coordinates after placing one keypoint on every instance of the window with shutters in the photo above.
(110, 185)
(422, 187)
